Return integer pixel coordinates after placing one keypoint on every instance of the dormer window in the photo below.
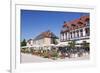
(73, 25)
(87, 21)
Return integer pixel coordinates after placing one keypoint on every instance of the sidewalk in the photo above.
(28, 58)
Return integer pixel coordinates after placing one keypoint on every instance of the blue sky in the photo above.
(34, 22)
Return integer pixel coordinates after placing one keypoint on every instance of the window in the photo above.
(77, 33)
(66, 36)
(81, 32)
(87, 31)
(71, 34)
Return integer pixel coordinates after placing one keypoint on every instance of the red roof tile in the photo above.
(77, 23)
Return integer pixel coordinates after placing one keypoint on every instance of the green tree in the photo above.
(23, 43)
(55, 41)
(72, 44)
(85, 45)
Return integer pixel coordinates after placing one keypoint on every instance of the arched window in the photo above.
(77, 33)
(81, 32)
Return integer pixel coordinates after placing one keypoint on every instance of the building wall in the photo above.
(30, 43)
(41, 42)
(44, 41)
(74, 35)
(38, 42)
(77, 34)
(47, 41)
(80, 41)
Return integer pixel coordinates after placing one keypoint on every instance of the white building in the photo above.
(77, 30)
(43, 40)
(30, 42)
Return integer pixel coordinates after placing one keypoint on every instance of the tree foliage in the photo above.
(54, 41)
(85, 44)
(72, 44)
(23, 43)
